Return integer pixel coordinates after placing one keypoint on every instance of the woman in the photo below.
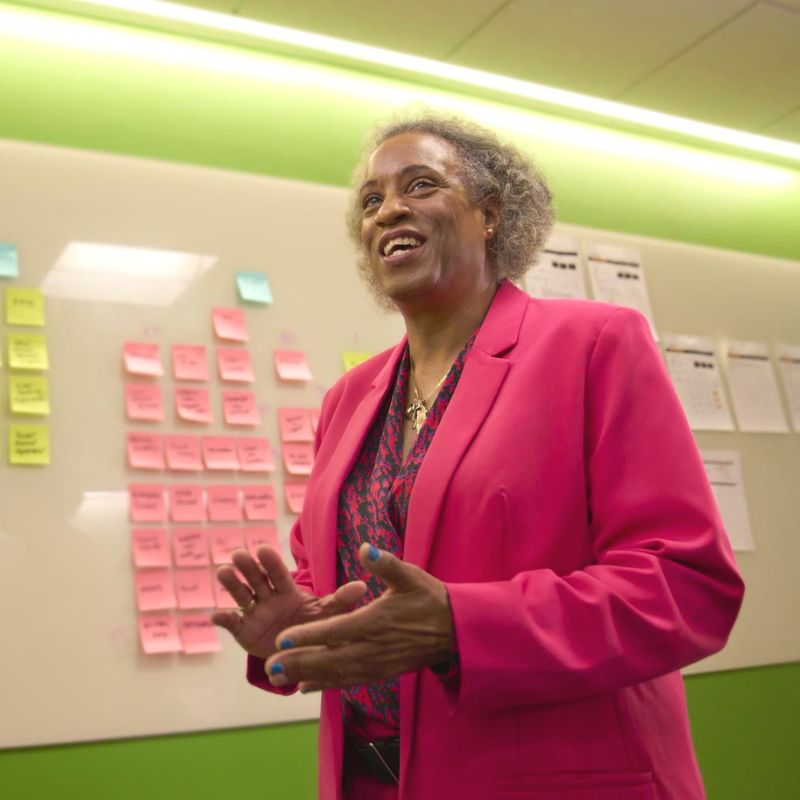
(513, 504)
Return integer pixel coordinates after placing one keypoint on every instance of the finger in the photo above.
(327, 666)
(332, 632)
(276, 570)
(253, 573)
(230, 620)
(240, 592)
(391, 570)
(344, 597)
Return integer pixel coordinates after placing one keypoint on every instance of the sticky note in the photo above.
(193, 404)
(222, 597)
(155, 590)
(295, 425)
(183, 453)
(186, 503)
(295, 493)
(255, 454)
(143, 401)
(29, 445)
(240, 408)
(193, 587)
(145, 450)
(235, 365)
(198, 634)
(28, 351)
(254, 287)
(9, 260)
(259, 503)
(352, 358)
(189, 362)
(24, 306)
(298, 457)
(292, 365)
(219, 453)
(223, 543)
(158, 633)
(29, 394)
(142, 358)
(230, 324)
(190, 546)
(224, 504)
(258, 537)
(150, 547)
(147, 502)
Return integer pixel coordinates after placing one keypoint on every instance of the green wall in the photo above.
(216, 106)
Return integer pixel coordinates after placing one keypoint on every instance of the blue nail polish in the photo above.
(276, 669)
(286, 644)
(374, 554)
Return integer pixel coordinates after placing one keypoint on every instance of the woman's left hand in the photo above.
(410, 626)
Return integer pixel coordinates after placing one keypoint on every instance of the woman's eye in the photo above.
(370, 200)
(420, 183)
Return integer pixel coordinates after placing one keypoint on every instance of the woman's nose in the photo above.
(392, 209)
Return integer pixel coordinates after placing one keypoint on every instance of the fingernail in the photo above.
(286, 644)
(276, 669)
(374, 554)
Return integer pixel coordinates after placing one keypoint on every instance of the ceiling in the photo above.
(734, 63)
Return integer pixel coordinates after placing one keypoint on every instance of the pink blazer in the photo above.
(564, 503)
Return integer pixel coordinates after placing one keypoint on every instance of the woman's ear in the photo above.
(490, 206)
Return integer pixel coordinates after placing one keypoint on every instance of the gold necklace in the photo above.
(417, 412)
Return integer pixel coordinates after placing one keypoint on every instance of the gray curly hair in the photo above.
(489, 167)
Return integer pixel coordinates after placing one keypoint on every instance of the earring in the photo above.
(489, 233)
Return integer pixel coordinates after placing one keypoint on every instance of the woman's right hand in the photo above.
(271, 601)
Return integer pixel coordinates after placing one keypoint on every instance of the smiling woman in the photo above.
(496, 583)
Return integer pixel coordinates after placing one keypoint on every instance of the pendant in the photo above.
(417, 413)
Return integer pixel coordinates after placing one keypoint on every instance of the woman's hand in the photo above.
(270, 601)
(410, 626)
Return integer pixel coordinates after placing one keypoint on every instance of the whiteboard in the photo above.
(73, 669)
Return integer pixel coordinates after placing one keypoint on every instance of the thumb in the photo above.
(394, 572)
(344, 597)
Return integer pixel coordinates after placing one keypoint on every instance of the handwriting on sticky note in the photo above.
(9, 260)
(255, 454)
(235, 365)
(240, 407)
(150, 547)
(193, 587)
(224, 504)
(145, 450)
(28, 351)
(147, 502)
(295, 493)
(230, 324)
(24, 306)
(183, 453)
(223, 542)
(158, 633)
(258, 537)
(298, 457)
(352, 358)
(190, 546)
(295, 425)
(219, 453)
(199, 634)
(29, 445)
(193, 404)
(292, 365)
(259, 502)
(189, 362)
(29, 394)
(143, 401)
(187, 503)
(254, 287)
(155, 590)
(142, 358)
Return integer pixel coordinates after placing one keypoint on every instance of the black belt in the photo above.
(379, 758)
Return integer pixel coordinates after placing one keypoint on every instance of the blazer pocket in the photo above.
(612, 785)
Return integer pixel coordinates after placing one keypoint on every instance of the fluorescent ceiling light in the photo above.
(416, 65)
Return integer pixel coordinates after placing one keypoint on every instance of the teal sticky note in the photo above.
(9, 261)
(254, 287)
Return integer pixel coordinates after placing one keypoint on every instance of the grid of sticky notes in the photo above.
(28, 362)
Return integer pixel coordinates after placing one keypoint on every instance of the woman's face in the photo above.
(424, 238)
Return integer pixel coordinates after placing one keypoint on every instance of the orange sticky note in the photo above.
(255, 454)
(186, 503)
(295, 425)
(154, 589)
(142, 358)
(183, 453)
(292, 365)
(295, 492)
(189, 362)
(158, 633)
(193, 587)
(145, 450)
(223, 542)
(193, 404)
(150, 547)
(219, 452)
(191, 547)
(240, 407)
(223, 504)
(231, 324)
(199, 634)
(143, 401)
(147, 502)
(298, 457)
(257, 537)
(259, 502)
(235, 365)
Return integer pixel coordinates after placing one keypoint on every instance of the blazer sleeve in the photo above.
(662, 590)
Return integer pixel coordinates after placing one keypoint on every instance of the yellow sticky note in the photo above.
(29, 394)
(24, 306)
(27, 351)
(29, 444)
(352, 358)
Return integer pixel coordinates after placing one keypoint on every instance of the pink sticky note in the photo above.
(292, 365)
(193, 586)
(199, 634)
(150, 547)
(256, 537)
(142, 358)
(240, 407)
(154, 589)
(189, 362)
(143, 401)
(145, 450)
(191, 547)
(235, 365)
(231, 324)
(255, 454)
(314, 415)
(259, 502)
(223, 542)
(147, 502)
(295, 425)
(219, 452)
(183, 453)
(223, 504)
(298, 457)
(158, 633)
(223, 597)
(295, 492)
(186, 503)
(193, 404)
